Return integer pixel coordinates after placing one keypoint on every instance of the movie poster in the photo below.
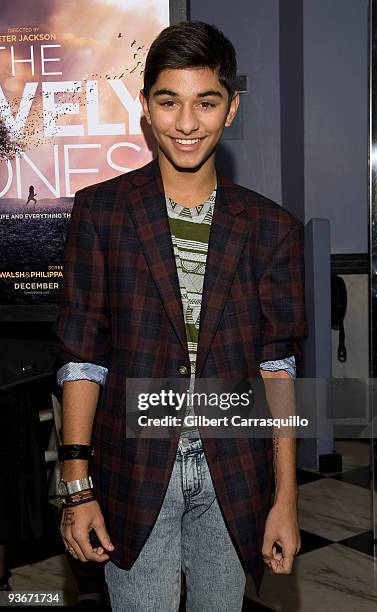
(70, 116)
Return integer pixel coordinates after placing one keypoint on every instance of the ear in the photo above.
(145, 107)
(234, 103)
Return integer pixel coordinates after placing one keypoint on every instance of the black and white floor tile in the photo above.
(336, 568)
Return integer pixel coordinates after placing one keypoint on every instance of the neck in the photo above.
(188, 188)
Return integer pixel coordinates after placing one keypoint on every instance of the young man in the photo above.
(150, 254)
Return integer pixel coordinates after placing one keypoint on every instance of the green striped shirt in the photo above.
(190, 229)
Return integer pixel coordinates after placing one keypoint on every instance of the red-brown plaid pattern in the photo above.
(122, 309)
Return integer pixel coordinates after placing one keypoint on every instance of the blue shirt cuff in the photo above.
(89, 371)
(288, 364)
(81, 371)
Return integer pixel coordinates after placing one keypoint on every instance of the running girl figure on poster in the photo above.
(31, 197)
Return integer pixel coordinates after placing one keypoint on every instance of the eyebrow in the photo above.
(210, 92)
(202, 94)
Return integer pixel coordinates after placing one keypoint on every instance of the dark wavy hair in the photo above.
(191, 44)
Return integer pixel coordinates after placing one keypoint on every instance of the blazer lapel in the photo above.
(227, 238)
(150, 217)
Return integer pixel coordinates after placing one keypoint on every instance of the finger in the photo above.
(288, 560)
(72, 553)
(75, 543)
(267, 558)
(275, 566)
(103, 536)
(89, 546)
(74, 550)
(77, 549)
(276, 555)
(267, 552)
(285, 565)
(69, 548)
(82, 540)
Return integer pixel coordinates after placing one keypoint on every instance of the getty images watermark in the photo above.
(224, 401)
(161, 408)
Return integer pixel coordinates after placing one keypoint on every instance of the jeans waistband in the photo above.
(189, 443)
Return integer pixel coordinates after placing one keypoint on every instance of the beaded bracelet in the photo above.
(75, 499)
(79, 502)
(77, 495)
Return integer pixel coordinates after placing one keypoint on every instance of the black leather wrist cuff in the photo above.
(74, 451)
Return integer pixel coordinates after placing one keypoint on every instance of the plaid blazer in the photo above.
(122, 309)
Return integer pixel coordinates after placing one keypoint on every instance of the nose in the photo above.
(186, 120)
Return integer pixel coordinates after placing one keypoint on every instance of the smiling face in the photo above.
(187, 110)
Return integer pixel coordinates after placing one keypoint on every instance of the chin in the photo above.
(186, 165)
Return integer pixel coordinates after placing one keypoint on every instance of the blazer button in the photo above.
(183, 370)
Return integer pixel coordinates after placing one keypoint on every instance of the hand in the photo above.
(75, 526)
(282, 529)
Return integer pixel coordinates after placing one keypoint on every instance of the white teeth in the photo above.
(187, 142)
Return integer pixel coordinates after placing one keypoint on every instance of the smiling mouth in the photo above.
(186, 141)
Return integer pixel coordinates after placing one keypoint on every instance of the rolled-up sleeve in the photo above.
(287, 365)
(281, 291)
(82, 326)
(72, 371)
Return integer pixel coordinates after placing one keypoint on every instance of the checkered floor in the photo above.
(337, 564)
(335, 569)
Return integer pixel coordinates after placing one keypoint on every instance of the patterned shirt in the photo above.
(190, 229)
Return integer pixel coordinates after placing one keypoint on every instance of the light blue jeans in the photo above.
(189, 533)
